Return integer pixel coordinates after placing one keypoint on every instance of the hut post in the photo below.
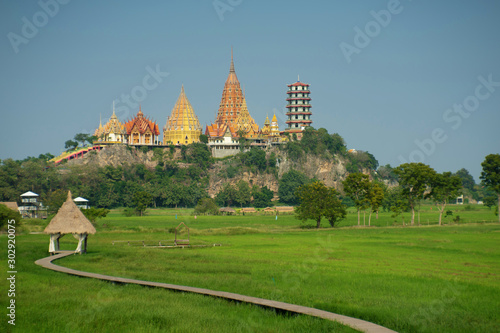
(85, 244)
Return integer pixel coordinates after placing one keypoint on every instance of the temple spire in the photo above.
(298, 78)
(231, 69)
(114, 108)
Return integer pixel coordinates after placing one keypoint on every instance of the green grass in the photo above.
(414, 279)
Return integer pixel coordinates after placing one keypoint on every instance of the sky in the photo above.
(408, 81)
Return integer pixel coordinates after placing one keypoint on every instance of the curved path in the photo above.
(358, 324)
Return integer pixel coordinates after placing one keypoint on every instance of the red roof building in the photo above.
(141, 130)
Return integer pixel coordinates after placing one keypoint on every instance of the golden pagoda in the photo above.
(245, 122)
(113, 132)
(232, 99)
(275, 130)
(142, 130)
(266, 129)
(183, 126)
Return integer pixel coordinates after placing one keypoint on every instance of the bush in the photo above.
(206, 206)
(128, 212)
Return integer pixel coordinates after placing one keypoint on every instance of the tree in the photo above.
(82, 138)
(243, 193)
(7, 214)
(288, 185)
(55, 200)
(490, 175)
(357, 187)
(206, 206)
(95, 213)
(141, 201)
(375, 199)
(444, 187)
(414, 179)
(91, 138)
(226, 195)
(318, 201)
(70, 144)
(262, 197)
(203, 138)
(466, 178)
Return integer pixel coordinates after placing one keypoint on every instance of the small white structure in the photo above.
(30, 205)
(81, 203)
(69, 220)
(460, 200)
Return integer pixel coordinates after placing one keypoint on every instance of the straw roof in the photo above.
(69, 219)
(227, 210)
(11, 205)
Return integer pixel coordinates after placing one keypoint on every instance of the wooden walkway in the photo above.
(358, 324)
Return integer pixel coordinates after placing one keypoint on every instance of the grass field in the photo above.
(412, 279)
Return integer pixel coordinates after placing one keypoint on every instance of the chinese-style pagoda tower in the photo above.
(232, 99)
(183, 126)
(299, 108)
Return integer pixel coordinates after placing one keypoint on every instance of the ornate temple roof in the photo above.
(182, 116)
(245, 122)
(232, 98)
(218, 130)
(142, 124)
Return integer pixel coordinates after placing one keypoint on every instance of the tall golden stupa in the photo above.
(183, 126)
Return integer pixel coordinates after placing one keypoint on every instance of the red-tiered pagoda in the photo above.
(141, 130)
(299, 108)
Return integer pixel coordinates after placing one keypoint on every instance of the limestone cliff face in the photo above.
(331, 171)
(116, 155)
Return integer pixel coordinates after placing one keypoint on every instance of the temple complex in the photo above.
(141, 130)
(299, 108)
(113, 132)
(183, 126)
(232, 122)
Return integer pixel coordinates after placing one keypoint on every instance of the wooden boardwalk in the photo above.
(358, 324)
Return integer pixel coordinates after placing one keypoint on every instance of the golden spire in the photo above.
(267, 120)
(182, 125)
(231, 68)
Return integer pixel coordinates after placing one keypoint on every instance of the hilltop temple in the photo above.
(232, 122)
(142, 130)
(113, 132)
(183, 126)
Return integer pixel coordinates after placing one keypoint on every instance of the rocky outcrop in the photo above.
(332, 171)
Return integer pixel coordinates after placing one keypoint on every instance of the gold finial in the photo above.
(231, 69)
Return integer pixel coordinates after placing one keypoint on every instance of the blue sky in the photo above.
(405, 80)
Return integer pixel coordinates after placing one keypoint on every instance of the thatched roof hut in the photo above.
(69, 220)
(11, 205)
(227, 210)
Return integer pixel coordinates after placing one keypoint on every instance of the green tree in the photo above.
(92, 214)
(243, 193)
(318, 201)
(206, 206)
(55, 199)
(82, 138)
(444, 187)
(490, 176)
(466, 178)
(141, 201)
(262, 197)
(7, 214)
(70, 144)
(226, 195)
(203, 138)
(414, 179)
(375, 199)
(288, 184)
(357, 187)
